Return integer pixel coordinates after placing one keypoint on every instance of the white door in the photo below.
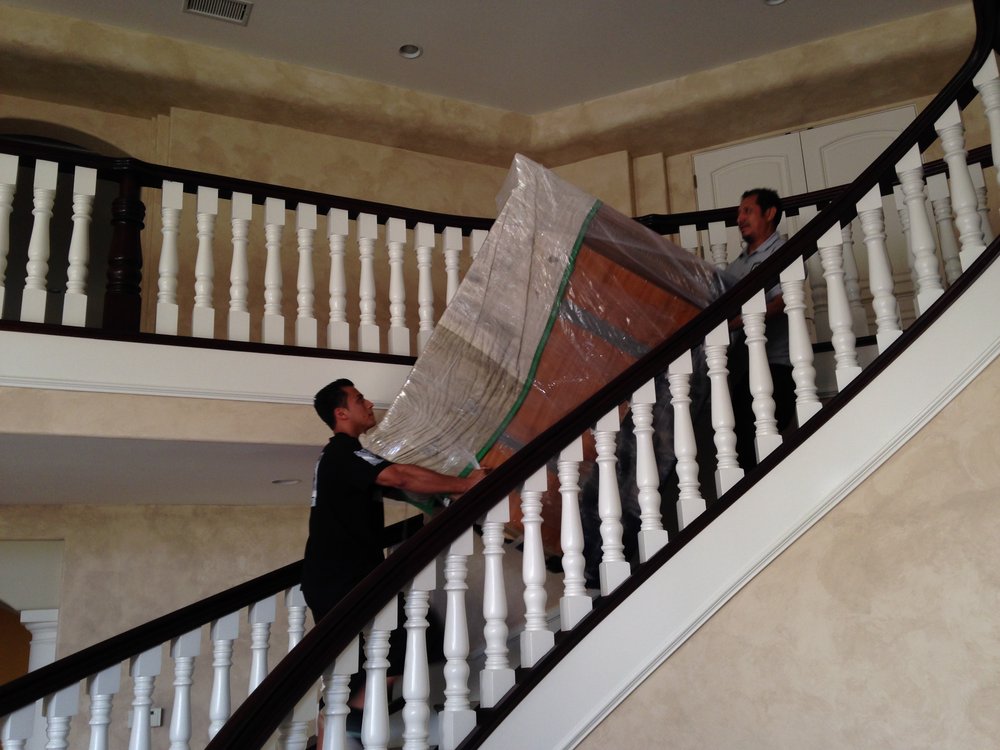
(723, 175)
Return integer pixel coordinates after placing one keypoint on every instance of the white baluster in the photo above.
(59, 709)
(851, 283)
(336, 691)
(8, 184)
(844, 352)
(536, 639)
(987, 82)
(728, 471)
(424, 239)
(399, 334)
(457, 718)
(274, 223)
(925, 263)
(241, 206)
(375, 722)
(652, 535)
(689, 239)
(800, 350)
(102, 688)
(260, 616)
(16, 729)
(183, 651)
(497, 677)
(478, 237)
(172, 199)
(982, 204)
(305, 320)
(416, 670)
(817, 284)
(690, 503)
(937, 191)
(574, 604)
(368, 332)
(203, 315)
(34, 296)
(904, 220)
(614, 568)
(144, 670)
(224, 631)
(718, 242)
(75, 300)
(766, 433)
(963, 194)
(292, 732)
(879, 269)
(338, 330)
(43, 626)
(452, 250)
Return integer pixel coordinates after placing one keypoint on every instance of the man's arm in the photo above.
(412, 478)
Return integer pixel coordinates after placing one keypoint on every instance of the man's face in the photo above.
(357, 415)
(755, 225)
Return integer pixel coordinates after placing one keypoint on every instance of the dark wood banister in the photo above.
(257, 718)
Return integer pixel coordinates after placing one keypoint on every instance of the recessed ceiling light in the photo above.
(285, 482)
(411, 51)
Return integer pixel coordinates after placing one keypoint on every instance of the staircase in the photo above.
(637, 622)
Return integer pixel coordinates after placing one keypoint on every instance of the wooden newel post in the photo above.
(123, 294)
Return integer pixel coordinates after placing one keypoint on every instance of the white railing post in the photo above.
(496, 677)
(59, 709)
(203, 315)
(800, 350)
(102, 687)
(476, 240)
(292, 732)
(452, 250)
(399, 334)
(375, 721)
(842, 336)
(536, 638)
(718, 242)
(690, 503)
(817, 284)
(574, 604)
(879, 269)
(689, 239)
(241, 207)
(183, 651)
(260, 615)
(424, 239)
(368, 332)
(336, 692)
(851, 283)
(727, 471)
(925, 262)
(614, 568)
(987, 83)
(34, 295)
(766, 433)
(274, 320)
(937, 191)
(306, 333)
(963, 194)
(416, 670)
(17, 728)
(172, 202)
(144, 669)
(338, 329)
(8, 185)
(223, 632)
(652, 535)
(457, 718)
(75, 302)
(982, 202)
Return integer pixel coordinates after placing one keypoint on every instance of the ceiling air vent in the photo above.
(233, 11)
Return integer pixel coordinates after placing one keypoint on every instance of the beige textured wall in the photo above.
(879, 628)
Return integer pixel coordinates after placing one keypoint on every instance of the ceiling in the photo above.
(519, 56)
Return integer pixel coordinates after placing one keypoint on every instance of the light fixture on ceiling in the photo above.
(286, 482)
(411, 51)
(773, 2)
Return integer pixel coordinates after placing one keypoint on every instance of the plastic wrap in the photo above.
(564, 295)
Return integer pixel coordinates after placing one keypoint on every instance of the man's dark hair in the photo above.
(331, 397)
(766, 198)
